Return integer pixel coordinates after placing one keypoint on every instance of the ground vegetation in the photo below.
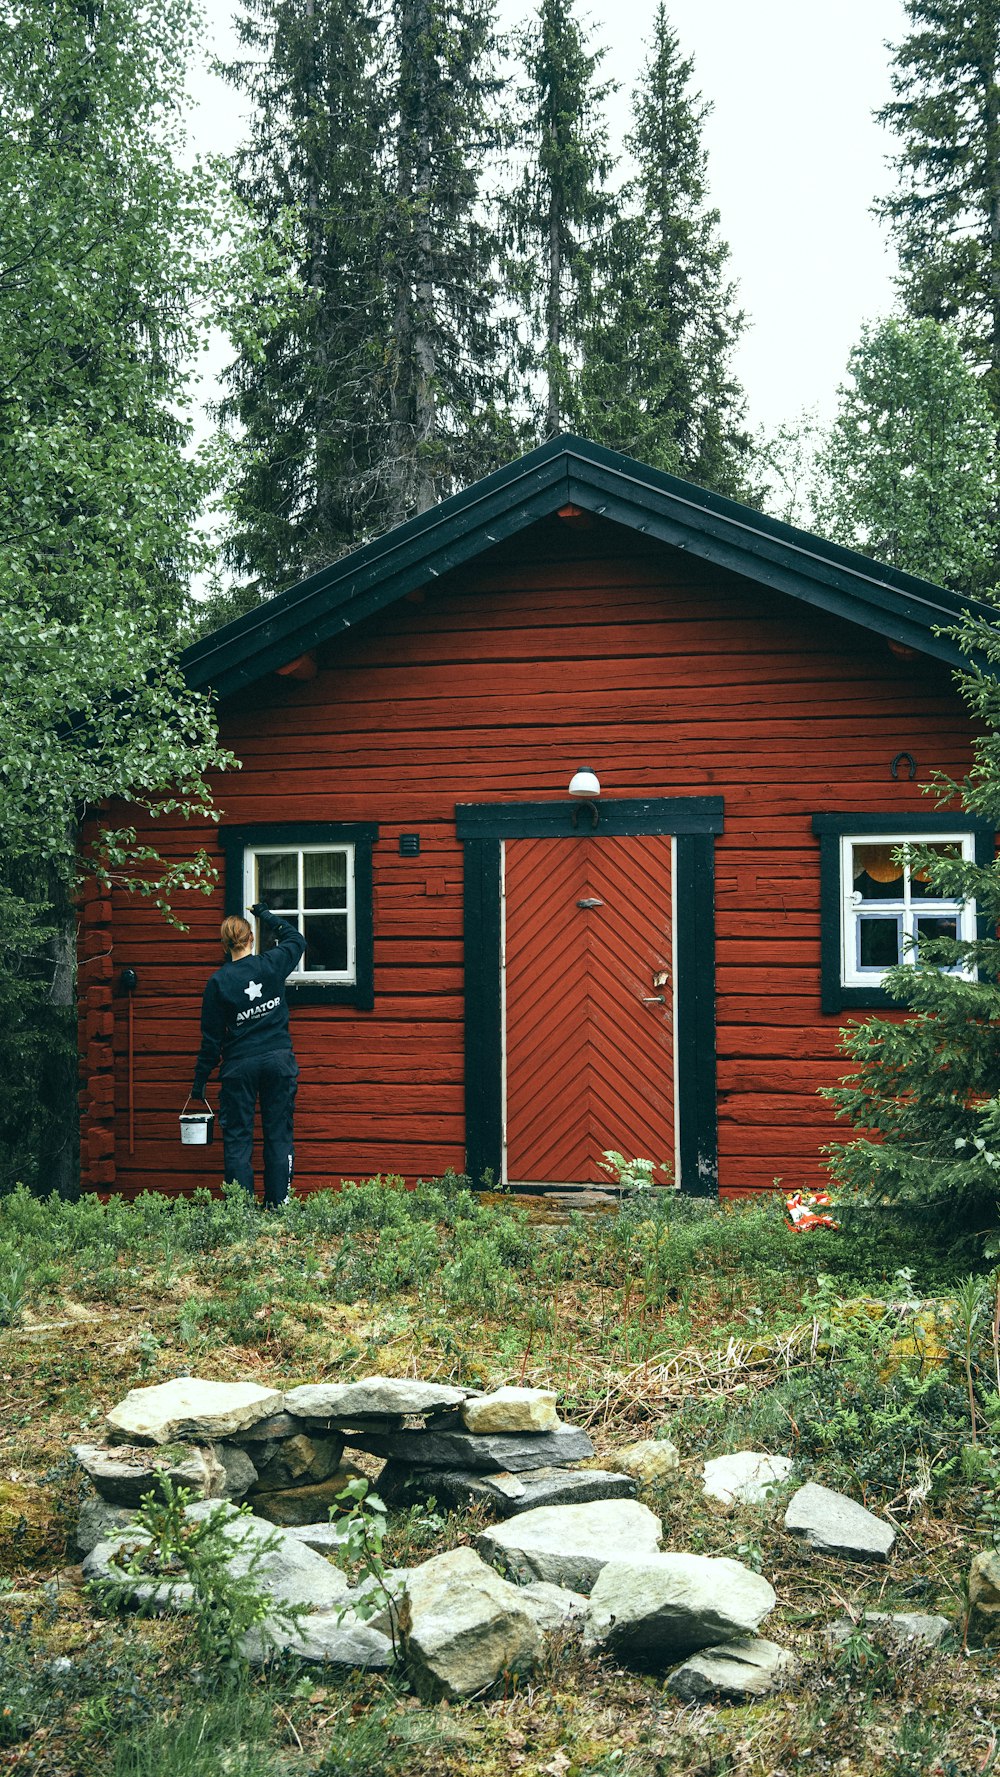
(864, 1353)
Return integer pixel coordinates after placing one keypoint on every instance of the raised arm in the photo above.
(290, 948)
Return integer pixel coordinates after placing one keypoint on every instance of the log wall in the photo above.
(567, 647)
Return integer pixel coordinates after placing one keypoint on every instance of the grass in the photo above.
(716, 1327)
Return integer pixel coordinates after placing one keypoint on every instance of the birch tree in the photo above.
(104, 270)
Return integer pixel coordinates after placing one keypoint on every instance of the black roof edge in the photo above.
(567, 469)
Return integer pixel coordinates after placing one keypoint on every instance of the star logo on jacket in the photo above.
(254, 991)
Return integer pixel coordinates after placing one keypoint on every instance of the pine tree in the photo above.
(305, 393)
(657, 380)
(448, 350)
(560, 208)
(380, 386)
(907, 472)
(945, 214)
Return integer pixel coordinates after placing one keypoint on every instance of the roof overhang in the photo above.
(571, 471)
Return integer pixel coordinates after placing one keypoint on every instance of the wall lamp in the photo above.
(584, 783)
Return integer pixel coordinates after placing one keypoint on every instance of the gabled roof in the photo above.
(572, 471)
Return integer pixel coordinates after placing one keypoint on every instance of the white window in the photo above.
(888, 908)
(311, 886)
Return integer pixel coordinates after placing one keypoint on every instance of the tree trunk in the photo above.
(59, 1122)
(992, 171)
(424, 358)
(414, 406)
(553, 412)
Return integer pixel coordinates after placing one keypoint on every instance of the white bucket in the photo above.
(197, 1129)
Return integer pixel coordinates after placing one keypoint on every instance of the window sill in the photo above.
(330, 993)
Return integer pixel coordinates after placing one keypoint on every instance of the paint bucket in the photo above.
(197, 1127)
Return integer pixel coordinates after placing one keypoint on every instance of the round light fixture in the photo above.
(584, 782)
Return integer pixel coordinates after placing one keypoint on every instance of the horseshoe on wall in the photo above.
(894, 767)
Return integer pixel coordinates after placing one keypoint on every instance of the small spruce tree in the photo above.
(926, 1091)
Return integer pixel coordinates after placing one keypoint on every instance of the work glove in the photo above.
(261, 911)
(198, 1089)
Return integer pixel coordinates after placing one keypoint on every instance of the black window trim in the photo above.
(359, 993)
(830, 829)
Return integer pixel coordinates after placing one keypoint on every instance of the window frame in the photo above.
(346, 848)
(902, 908)
(307, 989)
(835, 832)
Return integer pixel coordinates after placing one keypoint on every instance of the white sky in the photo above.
(795, 162)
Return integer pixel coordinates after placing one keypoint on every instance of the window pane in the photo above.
(936, 928)
(920, 888)
(278, 879)
(876, 877)
(326, 878)
(326, 943)
(879, 943)
(269, 937)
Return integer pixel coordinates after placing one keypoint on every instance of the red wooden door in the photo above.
(589, 1006)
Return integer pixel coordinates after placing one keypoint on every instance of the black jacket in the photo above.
(244, 1013)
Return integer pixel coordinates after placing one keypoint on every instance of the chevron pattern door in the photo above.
(589, 1030)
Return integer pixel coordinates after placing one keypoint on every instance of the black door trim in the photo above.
(693, 822)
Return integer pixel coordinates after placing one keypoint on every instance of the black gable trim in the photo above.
(568, 470)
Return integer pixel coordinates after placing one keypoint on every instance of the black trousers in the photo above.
(270, 1080)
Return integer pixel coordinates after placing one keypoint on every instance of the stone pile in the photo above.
(573, 1550)
(284, 1454)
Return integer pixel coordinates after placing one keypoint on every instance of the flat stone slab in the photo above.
(662, 1607)
(325, 1538)
(463, 1627)
(119, 1477)
(569, 1545)
(832, 1524)
(108, 1560)
(124, 1474)
(512, 1409)
(274, 1429)
(485, 1452)
(901, 1628)
(507, 1494)
(374, 1397)
(736, 1670)
(746, 1477)
(290, 1573)
(190, 1409)
(327, 1638)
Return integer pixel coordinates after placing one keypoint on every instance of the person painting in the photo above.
(244, 1018)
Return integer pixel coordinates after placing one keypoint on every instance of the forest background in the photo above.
(424, 254)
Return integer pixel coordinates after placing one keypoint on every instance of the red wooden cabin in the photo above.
(503, 977)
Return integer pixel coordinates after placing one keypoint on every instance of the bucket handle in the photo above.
(188, 1099)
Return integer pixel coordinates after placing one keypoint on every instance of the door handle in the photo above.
(654, 999)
